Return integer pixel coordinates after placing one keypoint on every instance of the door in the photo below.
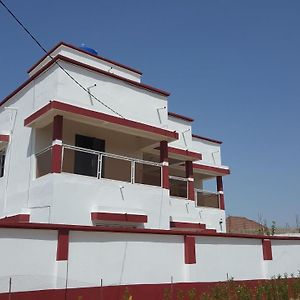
(87, 163)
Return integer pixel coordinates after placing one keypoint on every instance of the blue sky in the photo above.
(233, 66)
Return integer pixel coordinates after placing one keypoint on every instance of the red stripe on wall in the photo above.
(267, 249)
(62, 252)
(217, 170)
(121, 217)
(189, 249)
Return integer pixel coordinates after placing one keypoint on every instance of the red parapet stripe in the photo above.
(85, 52)
(20, 218)
(171, 114)
(267, 249)
(120, 217)
(206, 139)
(62, 252)
(187, 225)
(64, 107)
(4, 138)
(218, 170)
(189, 249)
(85, 228)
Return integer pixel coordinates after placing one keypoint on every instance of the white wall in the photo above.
(29, 257)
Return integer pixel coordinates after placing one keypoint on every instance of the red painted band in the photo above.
(4, 138)
(189, 249)
(217, 170)
(186, 225)
(122, 217)
(42, 226)
(184, 153)
(62, 252)
(267, 249)
(171, 114)
(206, 139)
(64, 107)
(152, 291)
(85, 52)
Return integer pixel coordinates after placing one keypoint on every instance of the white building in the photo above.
(99, 181)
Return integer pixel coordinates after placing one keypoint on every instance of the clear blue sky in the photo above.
(233, 66)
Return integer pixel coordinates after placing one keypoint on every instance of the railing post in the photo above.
(132, 172)
(190, 180)
(165, 164)
(57, 136)
(220, 192)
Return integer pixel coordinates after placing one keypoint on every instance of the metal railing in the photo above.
(207, 199)
(178, 186)
(99, 164)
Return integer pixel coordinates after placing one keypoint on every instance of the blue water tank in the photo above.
(88, 49)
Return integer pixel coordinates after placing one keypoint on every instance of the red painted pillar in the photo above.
(221, 192)
(190, 176)
(57, 135)
(165, 164)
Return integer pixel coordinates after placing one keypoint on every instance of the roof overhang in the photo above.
(211, 170)
(182, 154)
(44, 116)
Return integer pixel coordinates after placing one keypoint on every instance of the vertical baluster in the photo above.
(132, 174)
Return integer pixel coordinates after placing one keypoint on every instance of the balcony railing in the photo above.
(178, 186)
(98, 164)
(207, 199)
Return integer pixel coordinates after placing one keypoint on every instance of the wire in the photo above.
(51, 57)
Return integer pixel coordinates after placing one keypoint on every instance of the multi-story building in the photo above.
(98, 180)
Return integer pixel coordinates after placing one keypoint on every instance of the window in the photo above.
(2, 162)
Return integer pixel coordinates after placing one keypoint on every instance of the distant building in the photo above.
(235, 224)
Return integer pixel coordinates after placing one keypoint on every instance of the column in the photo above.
(220, 191)
(190, 177)
(57, 135)
(165, 164)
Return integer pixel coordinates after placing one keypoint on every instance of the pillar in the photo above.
(221, 192)
(190, 177)
(165, 164)
(57, 135)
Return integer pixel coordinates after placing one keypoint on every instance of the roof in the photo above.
(206, 139)
(85, 52)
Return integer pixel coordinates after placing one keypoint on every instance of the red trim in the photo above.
(219, 180)
(121, 217)
(42, 226)
(53, 61)
(180, 117)
(57, 130)
(189, 249)
(20, 218)
(132, 82)
(4, 138)
(190, 184)
(218, 170)
(62, 252)
(64, 107)
(156, 291)
(85, 52)
(267, 249)
(206, 139)
(56, 159)
(185, 152)
(187, 225)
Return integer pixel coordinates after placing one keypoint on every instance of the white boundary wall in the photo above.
(118, 258)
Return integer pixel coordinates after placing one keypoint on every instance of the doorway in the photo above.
(87, 163)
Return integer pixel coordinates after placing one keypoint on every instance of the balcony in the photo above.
(207, 199)
(101, 165)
